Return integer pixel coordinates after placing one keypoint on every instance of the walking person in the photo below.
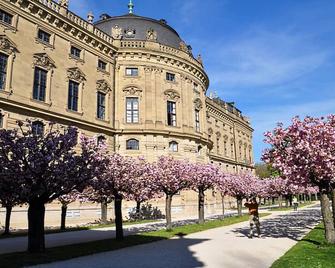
(295, 203)
(253, 217)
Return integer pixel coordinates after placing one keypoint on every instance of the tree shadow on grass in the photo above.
(291, 225)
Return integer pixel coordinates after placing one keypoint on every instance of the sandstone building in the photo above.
(128, 79)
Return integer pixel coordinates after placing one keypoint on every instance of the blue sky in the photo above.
(274, 58)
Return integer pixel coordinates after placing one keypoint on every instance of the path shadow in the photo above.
(292, 225)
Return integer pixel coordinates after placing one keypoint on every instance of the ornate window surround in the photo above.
(76, 75)
(43, 61)
(9, 48)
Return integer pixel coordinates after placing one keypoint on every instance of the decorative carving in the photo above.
(7, 45)
(64, 3)
(199, 59)
(76, 74)
(103, 85)
(130, 33)
(116, 32)
(210, 131)
(183, 46)
(43, 60)
(198, 104)
(172, 94)
(90, 17)
(225, 137)
(132, 91)
(151, 35)
(218, 134)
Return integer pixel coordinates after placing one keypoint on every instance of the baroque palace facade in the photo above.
(129, 80)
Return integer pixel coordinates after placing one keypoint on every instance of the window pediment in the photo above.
(172, 94)
(43, 60)
(7, 45)
(103, 86)
(76, 74)
(132, 91)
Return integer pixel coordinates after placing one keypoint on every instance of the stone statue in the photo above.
(199, 59)
(64, 3)
(151, 35)
(183, 46)
(90, 17)
(116, 32)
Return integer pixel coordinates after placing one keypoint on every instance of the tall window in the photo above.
(3, 70)
(40, 84)
(171, 114)
(75, 52)
(225, 148)
(173, 146)
(232, 150)
(37, 128)
(101, 105)
(170, 77)
(73, 96)
(197, 121)
(132, 108)
(6, 17)
(131, 71)
(44, 36)
(1, 120)
(133, 144)
(218, 146)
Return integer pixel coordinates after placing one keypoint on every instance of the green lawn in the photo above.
(291, 208)
(74, 229)
(311, 252)
(73, 251)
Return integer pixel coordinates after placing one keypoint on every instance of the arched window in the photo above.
(101, 139)
(173, 146)
(37, 128)
(199, 150)
(133, 144)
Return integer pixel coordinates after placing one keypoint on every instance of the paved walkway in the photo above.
(226, 247)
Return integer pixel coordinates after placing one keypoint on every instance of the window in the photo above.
(131, 71)
(73, 96)
(101, 139)
(132, 112)
(3, 70)
(101, 105)
(199, 150)
(40, 84)
(1, 120)
(37, 128)
(6, 17)
(133, 144)
(171, 114)
(170, 77)
(225, 148)
(232, 149)
(75, 52)
(218, 146)
(173, 146)
(43, 36)
(102, 65)
(197, 121)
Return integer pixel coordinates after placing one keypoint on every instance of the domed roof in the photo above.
(133, 27)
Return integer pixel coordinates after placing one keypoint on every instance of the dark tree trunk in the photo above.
(138, 208)
(328, 219)
(273, 200)
(290, 199)
(7, 221)
(223, 205)
(118, 218)
(201, 206)
(63, 217)
(168, 203)
(36, 213)
(239, 206)
(280, 198)
(104, 212)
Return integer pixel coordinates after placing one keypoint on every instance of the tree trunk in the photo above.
(138, 208)
(333, 204)
(104, 212)
(239, 206)
(63, 217)
(7, 222)
(291, 200)
(118, 218)
(201, 206)
(36, 213)
(280, 201)
(328, 219)
(168, 203)
(223, 206)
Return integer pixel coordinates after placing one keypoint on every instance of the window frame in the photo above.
(173, 146)
(197, 120)
(37, 88)
(101, 105)
(171, 77)
(132, 74)
(4, 73)
(102, 63)
(132, 148)
(39, 131)
(3, 16)
(73, 55)
(132, 111)
(2, 120)
(72, 97)
(171, 113)
(41, 34)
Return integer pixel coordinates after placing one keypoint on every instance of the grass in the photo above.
(74, 251)
(74, 229)
(291, 208)
(311, 252)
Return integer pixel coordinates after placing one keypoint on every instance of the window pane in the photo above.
(73, 96)
(3, 70)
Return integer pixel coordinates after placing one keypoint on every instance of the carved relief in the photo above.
(132, 91)
(104, 86)
(76, 74)
(7, 45)
(210, 131)
(151, 35)
(116, 32)
(225, 137)
(130, 33)
(172, 94)
(198, 104)
(43, 60)
(64, 3)
(218, 134)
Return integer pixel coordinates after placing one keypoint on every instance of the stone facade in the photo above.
(46, 45)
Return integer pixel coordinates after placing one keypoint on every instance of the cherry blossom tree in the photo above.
(47, 167)
(65, 200)
(203, 177)
(304, 153)
(222, 187)
(172, 177)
